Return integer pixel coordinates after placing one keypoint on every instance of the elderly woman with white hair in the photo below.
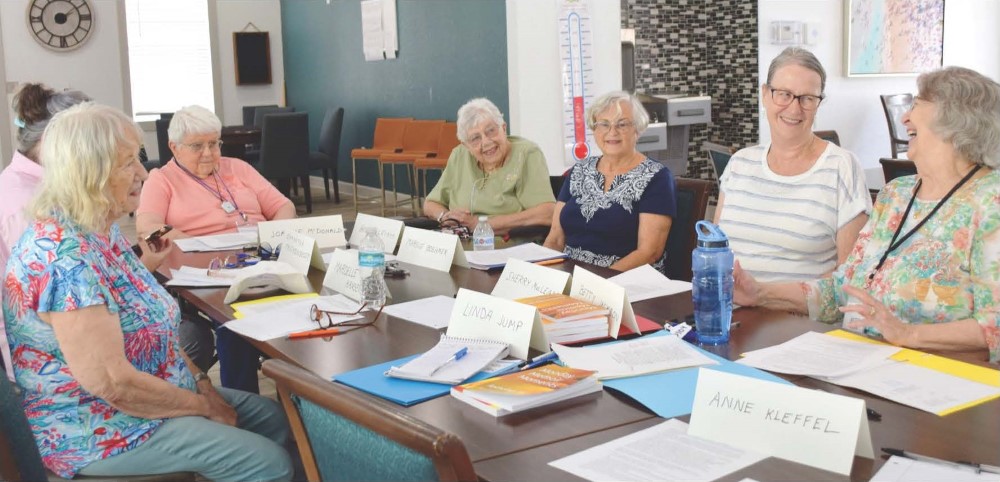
(615, 209)
(492, 174)
(925, 271)
(107, 389)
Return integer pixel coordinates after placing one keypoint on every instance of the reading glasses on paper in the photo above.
(316, 314)
(217, 266)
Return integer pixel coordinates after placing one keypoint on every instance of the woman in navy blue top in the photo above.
(615, 210)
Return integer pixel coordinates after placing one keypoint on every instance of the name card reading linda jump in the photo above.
(478, 315)
(300, 251)
(811, 427)
(387, 230)
(344, 275)
(328, 231)
(431, 249)
(521, 279)
(599, 291)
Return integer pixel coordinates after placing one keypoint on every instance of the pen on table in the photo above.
(873, 415)
(993, 469)
(550, 261)
(457, 356)
(932, 460)
(540, 360)
(314, 334)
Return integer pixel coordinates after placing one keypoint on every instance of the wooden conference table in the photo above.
(519, 446)
(235, 138)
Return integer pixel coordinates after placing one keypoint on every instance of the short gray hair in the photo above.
(80, 147)
(798, 56)
(476, 111)
(35, 105)
(613, 100)
(968, 112)
(193, 120)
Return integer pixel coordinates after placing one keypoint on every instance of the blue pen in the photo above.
(457, 356)
(541, 360)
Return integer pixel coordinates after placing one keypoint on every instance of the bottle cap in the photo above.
(483, 219)
(710, 235)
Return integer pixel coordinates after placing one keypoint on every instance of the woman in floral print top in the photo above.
(925, 271)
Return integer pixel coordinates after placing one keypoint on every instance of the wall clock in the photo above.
(60, 25)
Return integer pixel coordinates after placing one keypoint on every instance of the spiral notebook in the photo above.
(452, 361)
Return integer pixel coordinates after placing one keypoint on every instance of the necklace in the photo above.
(893, 244)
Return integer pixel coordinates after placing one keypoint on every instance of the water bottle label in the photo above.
(483, 242)
(371, 260)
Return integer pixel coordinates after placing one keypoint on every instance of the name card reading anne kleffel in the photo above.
(431, 249)
(328, 231)
(478, 315)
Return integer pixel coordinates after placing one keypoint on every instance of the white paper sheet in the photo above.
(633, 357)
(661, 452)
(275, 320)
(217, 242)
(645, 282)
(901, 469)
(816, 354)
(433, 312)
(496, 258)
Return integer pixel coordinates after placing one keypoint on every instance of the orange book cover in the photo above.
(537, 381)
(560, 307)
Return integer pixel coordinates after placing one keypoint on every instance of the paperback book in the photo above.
(527, 389)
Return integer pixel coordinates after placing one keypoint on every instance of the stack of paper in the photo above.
(645, 282)
(497, 258)
(274, 320)
(197, 278)
(451, 361)
(527, 389)
(217, 242)
(639, 356)
(818, 355)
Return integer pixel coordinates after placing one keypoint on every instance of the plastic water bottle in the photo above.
(482, 237)
(712, 264)
(371, 260)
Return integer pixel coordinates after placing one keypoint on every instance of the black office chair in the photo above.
(895, 105)
(326, 157)
(893, 168)
(284, 151)
(253, 152)
(249, 111)
(692, 200)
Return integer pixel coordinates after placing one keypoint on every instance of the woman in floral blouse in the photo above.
(925, 271)
(94, 345)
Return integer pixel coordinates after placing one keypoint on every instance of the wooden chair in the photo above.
(893, 168)
(344, 434)
(388, 138)
(284, 152)
(420, 140)
(829, 136)
(719, 156)
(692, 201)
(447, 142)
(326, 157)
(895, 105)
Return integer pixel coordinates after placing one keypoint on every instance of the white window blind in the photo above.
(170, 57)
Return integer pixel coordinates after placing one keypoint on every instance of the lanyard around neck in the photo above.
(215, 192)
(893, 244)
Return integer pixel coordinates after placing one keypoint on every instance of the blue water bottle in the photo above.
(712, 284)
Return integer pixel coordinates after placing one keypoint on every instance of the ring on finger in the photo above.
(871, 311)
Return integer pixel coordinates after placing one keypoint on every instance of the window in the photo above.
(170, 56)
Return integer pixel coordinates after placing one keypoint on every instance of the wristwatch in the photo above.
(201, 376)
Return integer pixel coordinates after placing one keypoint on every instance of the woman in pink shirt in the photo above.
(34, 104)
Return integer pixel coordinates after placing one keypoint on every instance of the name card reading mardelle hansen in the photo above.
(344, 275)
(478, 315)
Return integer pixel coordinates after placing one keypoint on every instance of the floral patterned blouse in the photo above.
(948, 270)
(58, 267)
(603, 227)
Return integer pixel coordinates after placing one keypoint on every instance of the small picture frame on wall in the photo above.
(252, 55)
(893, 37)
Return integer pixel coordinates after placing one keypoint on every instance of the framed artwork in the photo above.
(252, 52)
(893, 37)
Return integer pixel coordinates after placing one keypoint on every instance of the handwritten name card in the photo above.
(811, 427)
(431, 249)
(387, 229)
(328, 231)
(521, 279)
(478, 315)
(599, 291)
(300, 251)
(344, 275)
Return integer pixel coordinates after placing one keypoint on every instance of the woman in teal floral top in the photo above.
(93, 337)
(925, 271)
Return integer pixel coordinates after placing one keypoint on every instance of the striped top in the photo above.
(785, 227)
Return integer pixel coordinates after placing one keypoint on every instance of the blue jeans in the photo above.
(253, 450)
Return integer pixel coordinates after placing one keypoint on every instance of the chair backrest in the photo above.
(893, 168)
(19, 459)
(260, 112)
(284, 145)
(829, 136)
(250, 110)
(895, 105)
(422, 135)
(344, 434)
(163, 141)
(330, 131)
(389, 132)
(692, 200)
(719, 156)
(447, 140)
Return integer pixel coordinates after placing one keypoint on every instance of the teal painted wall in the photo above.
(449, 52)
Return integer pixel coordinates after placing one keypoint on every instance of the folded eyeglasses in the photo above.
(316, 314)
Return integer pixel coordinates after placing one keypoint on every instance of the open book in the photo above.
(451, 361)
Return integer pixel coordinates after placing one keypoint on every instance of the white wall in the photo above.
(233, 16)
(534, 75)
(852, 107)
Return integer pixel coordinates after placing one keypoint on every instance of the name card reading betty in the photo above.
(478, 315)
(344, 275)
(431, 249)
(811, 427)
(521, 279)
(328, 231)
(387, 230)
(590, 287)
(299, 251)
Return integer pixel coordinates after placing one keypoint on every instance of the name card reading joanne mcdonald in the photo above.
(328, 231)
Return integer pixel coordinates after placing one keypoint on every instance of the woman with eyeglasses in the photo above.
(106, 388)
(925, 271)
(793, 207)
(493, 174)
(615, 209)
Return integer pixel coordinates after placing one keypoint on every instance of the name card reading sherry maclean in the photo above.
(521, 279)
(478, 315)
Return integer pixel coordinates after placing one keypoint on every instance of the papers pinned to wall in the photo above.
(378, 29)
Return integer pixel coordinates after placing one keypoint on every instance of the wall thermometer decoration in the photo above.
(574, 53)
